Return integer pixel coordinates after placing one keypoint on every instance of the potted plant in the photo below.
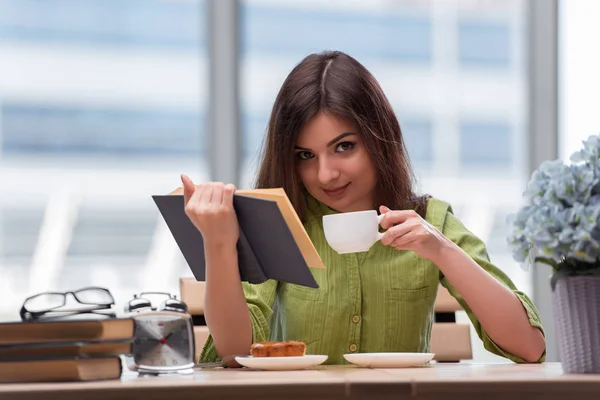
(560, 227)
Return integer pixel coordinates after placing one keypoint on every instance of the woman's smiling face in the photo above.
(334, 166)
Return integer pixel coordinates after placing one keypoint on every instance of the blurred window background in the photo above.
(579, 81)
(105, 102)
(101, 105)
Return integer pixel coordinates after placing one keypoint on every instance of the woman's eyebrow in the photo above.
(331, 142)
(341, 136)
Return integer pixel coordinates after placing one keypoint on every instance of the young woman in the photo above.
(335, 145)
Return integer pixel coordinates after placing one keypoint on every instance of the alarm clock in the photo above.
(163, 337)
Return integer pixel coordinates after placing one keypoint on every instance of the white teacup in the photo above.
(352, 232)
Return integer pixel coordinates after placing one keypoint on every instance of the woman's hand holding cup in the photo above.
(406, 230)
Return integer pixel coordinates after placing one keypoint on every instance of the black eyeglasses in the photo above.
(47, 305)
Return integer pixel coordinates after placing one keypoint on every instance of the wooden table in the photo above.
(435, 381)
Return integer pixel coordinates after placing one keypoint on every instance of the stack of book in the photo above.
(68, 350)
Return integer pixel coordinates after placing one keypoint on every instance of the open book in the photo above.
(272, 244)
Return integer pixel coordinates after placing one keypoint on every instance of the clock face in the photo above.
(163, 341)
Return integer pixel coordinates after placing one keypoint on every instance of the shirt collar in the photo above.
(316, 208)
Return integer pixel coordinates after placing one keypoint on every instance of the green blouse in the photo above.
(377, 301)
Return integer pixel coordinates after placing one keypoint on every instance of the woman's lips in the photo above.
(336, 192)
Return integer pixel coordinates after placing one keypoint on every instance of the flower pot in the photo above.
(576, 303)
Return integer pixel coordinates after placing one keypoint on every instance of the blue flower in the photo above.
(561, 223)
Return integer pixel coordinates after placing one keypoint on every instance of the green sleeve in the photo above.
(260, 299)
(454, 230)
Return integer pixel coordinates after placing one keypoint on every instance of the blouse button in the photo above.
(353, 347)
(356, 319)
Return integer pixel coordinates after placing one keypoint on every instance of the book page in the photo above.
(307, 248)
(250, 269)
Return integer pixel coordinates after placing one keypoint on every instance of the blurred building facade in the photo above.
(103, 103)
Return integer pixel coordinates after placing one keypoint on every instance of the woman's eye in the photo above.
(345, 146)
(304, 155)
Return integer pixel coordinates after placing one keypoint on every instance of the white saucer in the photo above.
(281, 363)
(389, 360)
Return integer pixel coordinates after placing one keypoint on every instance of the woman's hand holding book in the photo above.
(210, 208)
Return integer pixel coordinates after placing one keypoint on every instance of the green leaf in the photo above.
(547, 261)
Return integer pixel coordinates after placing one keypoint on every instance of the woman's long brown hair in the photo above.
(336, 83)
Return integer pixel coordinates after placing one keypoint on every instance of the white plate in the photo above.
(388, 360)
(281, 363)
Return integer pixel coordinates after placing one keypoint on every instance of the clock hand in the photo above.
(164, 340)
(169, 335)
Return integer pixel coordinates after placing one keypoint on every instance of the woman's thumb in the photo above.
(188, 188)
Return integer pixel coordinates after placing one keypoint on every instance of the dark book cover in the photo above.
(266, 247)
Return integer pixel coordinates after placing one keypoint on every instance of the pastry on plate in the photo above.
(290, 348)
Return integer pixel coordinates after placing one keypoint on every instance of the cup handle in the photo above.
(379, 218)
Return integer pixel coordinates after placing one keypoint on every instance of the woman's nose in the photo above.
(327, 172)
